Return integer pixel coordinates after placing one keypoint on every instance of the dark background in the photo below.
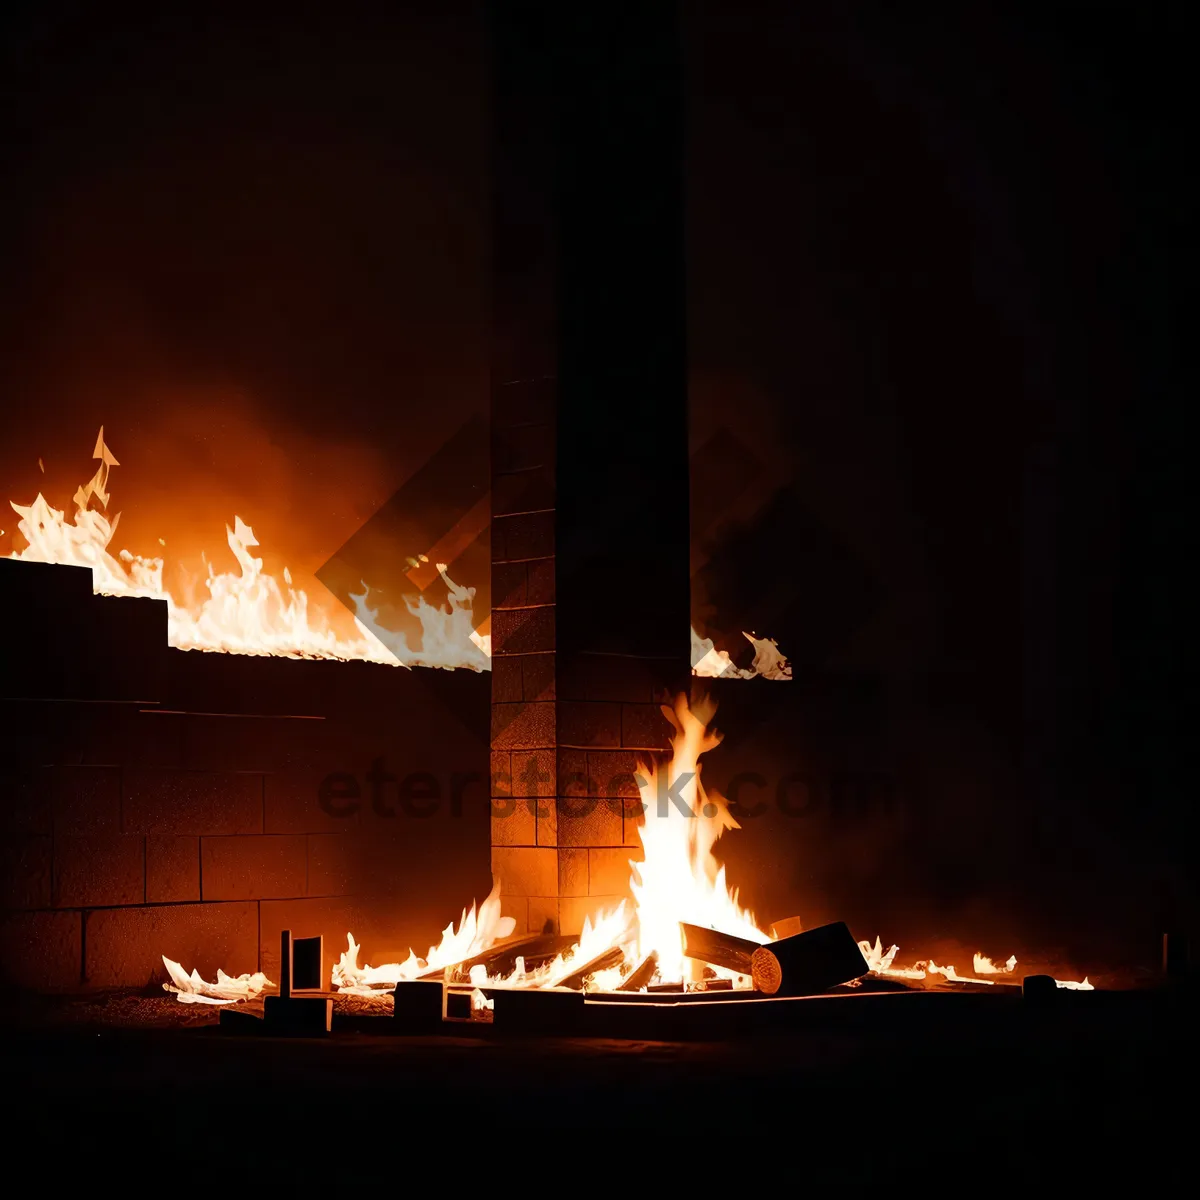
(933, 328)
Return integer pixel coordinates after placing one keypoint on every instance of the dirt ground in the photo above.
(144, 1080)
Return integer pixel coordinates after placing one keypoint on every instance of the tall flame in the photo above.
(679, 877)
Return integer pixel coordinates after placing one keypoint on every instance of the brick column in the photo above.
(589, 422)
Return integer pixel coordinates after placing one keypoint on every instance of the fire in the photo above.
(476, 932)
(984, 965)
(880, 963)
(191, 989)
(246, 611)
(711, 663)
(678, 879)
(249, 611)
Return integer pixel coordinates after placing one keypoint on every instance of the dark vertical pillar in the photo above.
(590, 620)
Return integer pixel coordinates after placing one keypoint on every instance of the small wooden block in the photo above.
(1039, 988)
(418, 1005)
(298, 1016)
(458, 1006)
(538, 1011)
(308, 964)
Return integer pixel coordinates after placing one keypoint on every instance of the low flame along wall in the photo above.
(158, 801)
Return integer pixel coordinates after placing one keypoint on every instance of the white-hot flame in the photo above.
(984, 965)
(476, 933)
(878, 959)
(679, 878)
(191, 989)
(881, 964)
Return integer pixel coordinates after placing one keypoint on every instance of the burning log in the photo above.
(718, 949)
(612, 957)
(536, 949)
(642, 974)
(808, 963)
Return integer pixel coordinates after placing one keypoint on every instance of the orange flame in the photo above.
(475, 933)
(247, 611)
(679, 878)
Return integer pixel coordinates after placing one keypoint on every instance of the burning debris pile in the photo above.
(684, 931)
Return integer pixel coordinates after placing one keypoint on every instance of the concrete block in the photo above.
(540, 581)
(537, 675)
(183, 802)
(523, 630)
(25, 871)
(125, 945)
(572, 872)
(25, 800)
(172, 869)
(527, 535)
(588, 821)
(523, 726)
(265, 866)
(508, 586)
(507, 683)
(42, 951)
(101, 870)
(534, 772)
(514, 822)
(589, 724)
(526, 870)
(85, 799)
(309, 800)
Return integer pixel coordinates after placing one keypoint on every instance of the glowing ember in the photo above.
(191, 989)
(243, 612)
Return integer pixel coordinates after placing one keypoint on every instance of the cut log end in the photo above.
(808, 963)
(765, 971)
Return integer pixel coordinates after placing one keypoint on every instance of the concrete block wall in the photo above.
(325, 797)
(568, 729)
